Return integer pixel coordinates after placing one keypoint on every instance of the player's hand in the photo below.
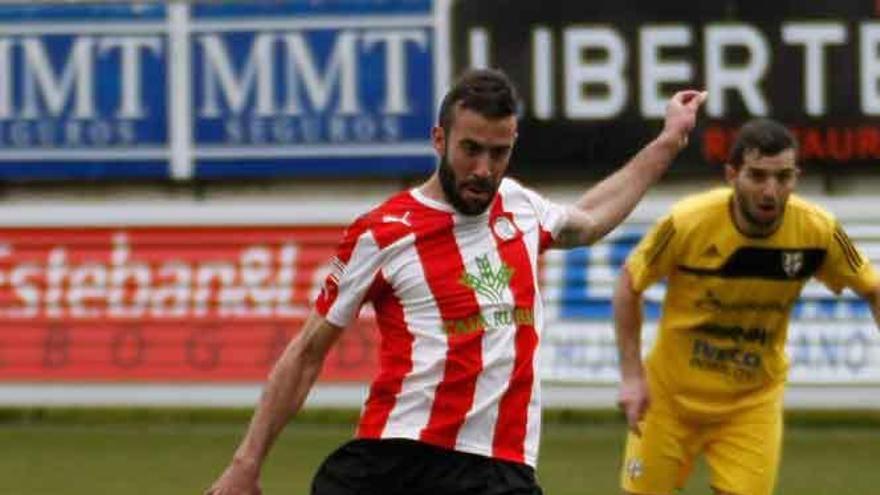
(681, 115)
(239, 478)
(633, 399)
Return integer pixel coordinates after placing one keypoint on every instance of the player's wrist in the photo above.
(670, 141)
(632, 370)
(249, 464)
(632, 375)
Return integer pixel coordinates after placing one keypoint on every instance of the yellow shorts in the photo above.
(742, 452)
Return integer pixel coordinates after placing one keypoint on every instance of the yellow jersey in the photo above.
(720, 345)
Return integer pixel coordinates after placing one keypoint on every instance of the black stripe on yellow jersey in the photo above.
(766, 263)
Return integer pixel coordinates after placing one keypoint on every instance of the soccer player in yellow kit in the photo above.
(735, 260)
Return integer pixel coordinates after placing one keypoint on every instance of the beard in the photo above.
(744, 207)
(452, 188)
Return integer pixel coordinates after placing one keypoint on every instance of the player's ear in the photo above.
(730, 173)
(438, 139)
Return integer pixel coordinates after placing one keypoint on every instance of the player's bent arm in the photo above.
(604, 206)
(633, 395)
(289, 383)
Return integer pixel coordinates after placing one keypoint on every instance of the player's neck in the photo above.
(433, 189)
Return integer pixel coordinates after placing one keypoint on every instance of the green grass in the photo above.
(166, 457)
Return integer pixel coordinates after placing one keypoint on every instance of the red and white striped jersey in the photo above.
(460, 316)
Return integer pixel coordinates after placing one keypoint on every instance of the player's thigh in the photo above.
(405, 467)
(348, 470)
(658, 461)
(743, 456)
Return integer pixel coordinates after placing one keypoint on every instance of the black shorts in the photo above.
(408, 467)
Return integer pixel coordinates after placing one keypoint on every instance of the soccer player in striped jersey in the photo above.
(450, 267)
(735, 261)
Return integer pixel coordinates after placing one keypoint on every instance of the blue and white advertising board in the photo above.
(217, 90)
(82, 92)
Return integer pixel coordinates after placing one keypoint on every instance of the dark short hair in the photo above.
(486, 91)
(766, 136)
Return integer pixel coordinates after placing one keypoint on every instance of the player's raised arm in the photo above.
(608, 203)
(289, 383)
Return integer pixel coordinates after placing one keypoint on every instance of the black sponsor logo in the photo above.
(734, 355)
(739, 364)
(735, 333)
(712, 302)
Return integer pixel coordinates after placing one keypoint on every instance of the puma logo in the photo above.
(401, 219)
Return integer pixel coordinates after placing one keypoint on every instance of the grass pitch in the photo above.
(184, 457)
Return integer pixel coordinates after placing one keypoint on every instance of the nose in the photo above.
(482, 167)
(771, 187)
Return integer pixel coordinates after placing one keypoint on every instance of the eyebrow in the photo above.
(482, 145)
(764, 169)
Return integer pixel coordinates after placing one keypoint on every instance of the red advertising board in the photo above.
(164, 303)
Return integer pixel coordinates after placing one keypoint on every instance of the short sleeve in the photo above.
(653, 257)
(551, 217)
(846, 266)
(354, 268)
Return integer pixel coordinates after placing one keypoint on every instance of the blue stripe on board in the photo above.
(89, 170)
(601, 309)
(233, 168)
